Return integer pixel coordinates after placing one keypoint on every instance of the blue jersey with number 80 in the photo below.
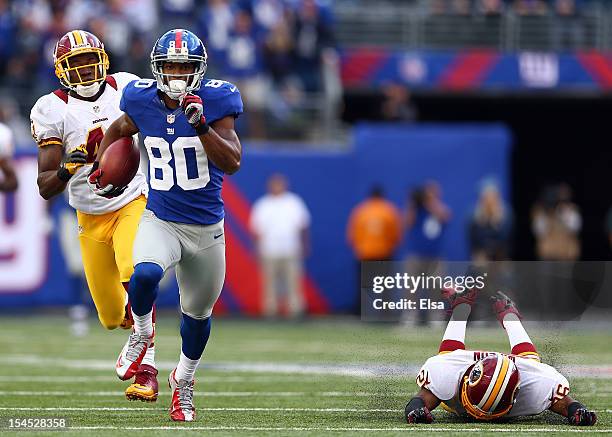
(185, 186)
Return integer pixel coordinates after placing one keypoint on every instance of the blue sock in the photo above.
(195, 335)
(144, 284)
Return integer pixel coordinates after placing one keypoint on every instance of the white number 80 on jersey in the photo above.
(163, 176)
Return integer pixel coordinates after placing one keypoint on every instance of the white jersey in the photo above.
(278, 221)
(6, 142)
(540, 384)
(58, 118)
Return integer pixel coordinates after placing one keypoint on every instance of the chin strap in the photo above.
(88, 90)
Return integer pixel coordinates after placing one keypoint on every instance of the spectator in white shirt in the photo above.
(279, 222)
(8, 179)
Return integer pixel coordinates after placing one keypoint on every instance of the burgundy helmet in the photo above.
(74, 43)
(489, 388)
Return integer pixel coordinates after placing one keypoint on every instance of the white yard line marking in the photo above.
(62, 379)
(209, 393)
(102, 378)
(316, 394)
(356, 370)
(239, 409)
(406, 428)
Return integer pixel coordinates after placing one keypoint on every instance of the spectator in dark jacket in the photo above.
(490, 227)
(312, 35)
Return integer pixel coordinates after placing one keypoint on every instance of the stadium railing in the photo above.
(411, 26)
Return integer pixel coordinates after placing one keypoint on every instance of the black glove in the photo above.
(115, 192)
(581, 416)
(417, 412)
(420, 415)
(71, 162)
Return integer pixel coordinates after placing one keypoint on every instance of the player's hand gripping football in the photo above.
(71, 162)
(193, 108)
(93, 180)
(582, 417)
(420, 415)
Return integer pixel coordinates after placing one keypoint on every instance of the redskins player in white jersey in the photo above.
(68, 126)
(490, 385)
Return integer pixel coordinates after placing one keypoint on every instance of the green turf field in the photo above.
(311, 378)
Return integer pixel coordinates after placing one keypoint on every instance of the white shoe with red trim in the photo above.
(132, 354)
(181, 405)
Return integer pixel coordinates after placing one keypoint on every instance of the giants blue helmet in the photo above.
(178, 45)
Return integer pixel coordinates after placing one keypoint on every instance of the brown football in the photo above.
(119, 163)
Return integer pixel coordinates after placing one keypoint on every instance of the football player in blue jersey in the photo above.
(188, 130)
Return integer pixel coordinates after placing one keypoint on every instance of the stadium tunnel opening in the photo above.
(556, 138)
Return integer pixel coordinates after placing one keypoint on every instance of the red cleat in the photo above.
(181, 406)
(455, 298)
(145, 388)
(502, 306)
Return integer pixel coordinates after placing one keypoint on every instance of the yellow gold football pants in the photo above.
(106, 246)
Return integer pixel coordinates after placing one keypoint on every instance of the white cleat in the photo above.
(132, 354)
(181, 406)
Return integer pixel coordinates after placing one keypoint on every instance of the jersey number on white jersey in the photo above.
(92, 142)
(185, 149)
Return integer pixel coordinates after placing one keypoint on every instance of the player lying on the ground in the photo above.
(68, 125)
(491, 385)
(188, 132)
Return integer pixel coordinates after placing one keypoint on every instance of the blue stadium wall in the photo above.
(460, 157)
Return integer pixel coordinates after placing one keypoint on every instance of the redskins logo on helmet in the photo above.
(489, 388)
(74, 43)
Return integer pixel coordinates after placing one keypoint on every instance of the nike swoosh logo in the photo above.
(217, 236)
(233, 89)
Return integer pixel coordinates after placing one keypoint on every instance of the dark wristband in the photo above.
(414, 404)
(202, 128)
(63, 174)
(571, 408)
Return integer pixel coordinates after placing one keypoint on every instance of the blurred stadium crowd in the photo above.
(283, 54)
(272, 49)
